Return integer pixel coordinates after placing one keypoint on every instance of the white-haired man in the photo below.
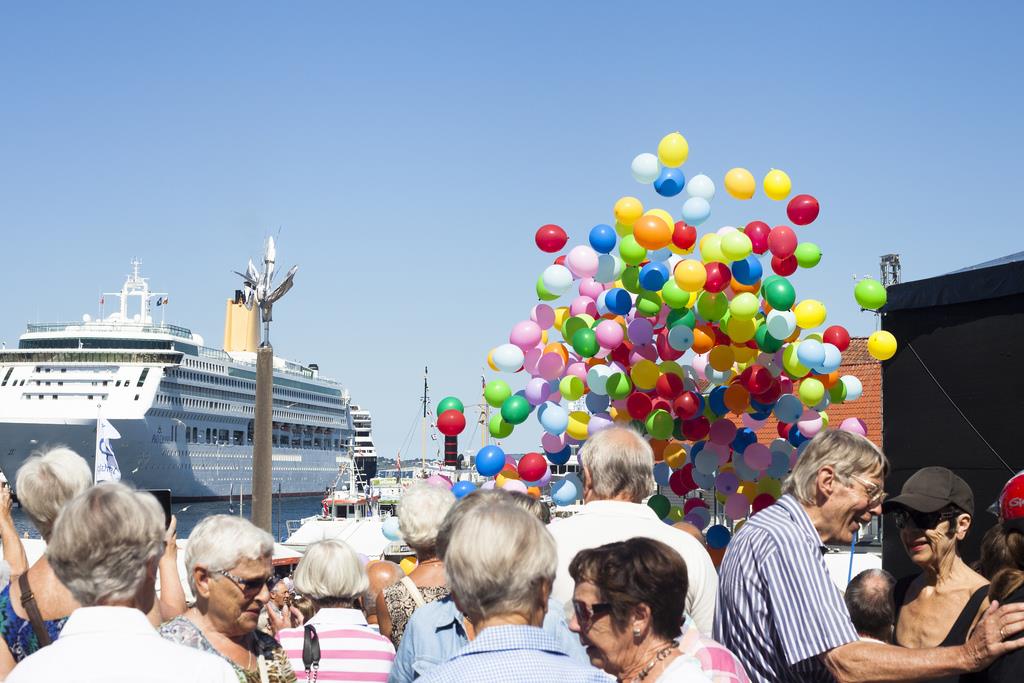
(105, 548)
(778, 609)
(617, 476)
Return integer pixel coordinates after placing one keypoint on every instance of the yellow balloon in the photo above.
(711, 248)
(670, 367)
(690, 275)
(623, 230)
(882, 345)
(777, 184)
(675, 455)
(663, 215)
(740, 183)
(408, 564)
(770, 485)
(543, 336)
(721, 357)
(673, 150)
(678, 250)
(561, 315)
(744, 354)
(503, 477)
(578, 421)
(748, 489)
(627, 210)
(809, 313)
(741, 330)
(490, 360)
(791, 363)
(644, 374)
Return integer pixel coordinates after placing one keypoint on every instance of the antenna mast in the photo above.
(426, 409)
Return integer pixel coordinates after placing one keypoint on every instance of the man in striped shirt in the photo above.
(777, 607)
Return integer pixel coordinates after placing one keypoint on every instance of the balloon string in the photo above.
(853, 544)
(953, 403)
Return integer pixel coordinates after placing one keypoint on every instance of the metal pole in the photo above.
(262, 495)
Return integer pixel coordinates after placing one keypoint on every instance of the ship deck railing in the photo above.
(77, 326)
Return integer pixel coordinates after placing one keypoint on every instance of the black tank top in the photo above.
(961, 627)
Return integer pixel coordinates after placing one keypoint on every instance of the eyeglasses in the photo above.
(905, 518)
(586, 614)
(876, 494)
(247, 586)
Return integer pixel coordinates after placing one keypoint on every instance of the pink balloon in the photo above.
(737, 506)
(544, 480)
(722, 432)
(591, 287)
(721, 451)
(643, 352)
(514, 485)
(582, 261)
(525, 335)
(577, 369)
(531, 360)
(854, 425)
(751, 423)
(583, 305)
(700, 363)
(543, 315)
(727, 483)
(552, 443)
(439, 480)
(550, 366)
(609, 334)
(810, 423)
(489, 484)
(757, 456)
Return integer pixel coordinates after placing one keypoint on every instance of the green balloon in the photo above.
(659, 424)
(837, 393)
(584, 342)
(498, 428)
(870, 294)
(450, 403)
(515, 410)
(807, 254)
(618, 385)
(571, 326)
(811, 391)
(631, 251)
(675, 296)
(631, 280)
(648, 303)
(765, 341)
(542, 292)
(712, 306)
(779, 294)
(660, 504)
(496, 391)
(571, 388)
(681, 317)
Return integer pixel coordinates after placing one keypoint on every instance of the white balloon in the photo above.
(725, 230)
(508, 357)
(645, 168)
(781, 324)
(701, 186)
(696, 210)
(557, 279)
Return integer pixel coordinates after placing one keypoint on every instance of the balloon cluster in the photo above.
(696, 342)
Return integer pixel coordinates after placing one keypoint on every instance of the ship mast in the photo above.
(426, 404)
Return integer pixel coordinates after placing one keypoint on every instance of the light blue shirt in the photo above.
(503, 654)
(435, 634)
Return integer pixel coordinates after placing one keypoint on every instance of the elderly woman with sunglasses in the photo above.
(939, 606)
(229, 564)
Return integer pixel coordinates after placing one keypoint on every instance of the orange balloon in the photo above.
(739, 287)
(651, 232)
(675, 455)
(717, 555)
(793, 337)
(556, 347)
(533, 491)
(703, 339)
(830, 379)
(658, 446)
(736, 399)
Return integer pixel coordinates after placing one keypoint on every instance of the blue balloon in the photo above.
(810, 353)
(748, 271)
(618, 301)
(833, 359)
(696, 210)
(596, 403)
(463, 489)
(563, 492)
(490, 460)
(744, 437)
(669, 182)
(603, 238)
(552, 417)
(697, 447)
(704, 481)
(779, 466)
(788, 408)
(559, 458)
(661, 473)
(718, 537)
(716, 399)
(653, 276)
(795, 437)
(390, 529)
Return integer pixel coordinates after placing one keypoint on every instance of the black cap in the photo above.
(932, 488)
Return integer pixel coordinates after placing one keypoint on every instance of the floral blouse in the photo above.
(401, 605)
(182, 631)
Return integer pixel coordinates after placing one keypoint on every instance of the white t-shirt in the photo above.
(683, 669)
(118, 645)
(610, 521)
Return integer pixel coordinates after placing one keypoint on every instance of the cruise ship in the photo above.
(184, 411)
(364, 452)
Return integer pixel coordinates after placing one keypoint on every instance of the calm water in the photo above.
(190, 514)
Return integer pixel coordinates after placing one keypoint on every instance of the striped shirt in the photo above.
(720, 665)
(349, 649)
(778, 609)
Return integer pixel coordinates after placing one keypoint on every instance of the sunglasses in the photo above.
(905, 518)
(247, 586)
(586, 614)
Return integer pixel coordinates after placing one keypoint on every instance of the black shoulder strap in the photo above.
(962, 627)
(28, 601)
(311, 651)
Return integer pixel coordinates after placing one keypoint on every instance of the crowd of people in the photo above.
(502, 593)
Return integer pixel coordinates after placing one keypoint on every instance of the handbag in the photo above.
(28, 601)
(311, 652)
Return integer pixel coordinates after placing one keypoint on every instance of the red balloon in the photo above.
(681, 482)
(451, 422)
(784, 266)
(669, 386)
(664, 350)
(783, 430)
(769, 395)
(550, 238)
(758, 231)
(760, 380)
(719, 277)
(802, 209)
(620, 354)
(638, 405)
(696, 429)
(560, 261)
(532, 467)
(684, 236)
(837, 336)
(660, 404)
(782, 241)
(686, 405)
(761, 501)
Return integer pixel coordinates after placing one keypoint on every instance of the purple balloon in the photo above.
(552, 443)
(640, 331)
(538, 390)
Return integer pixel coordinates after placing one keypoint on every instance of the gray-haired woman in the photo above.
(228, 564)
(45, 483)
(419, 517)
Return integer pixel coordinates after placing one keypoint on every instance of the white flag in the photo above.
(106, 463)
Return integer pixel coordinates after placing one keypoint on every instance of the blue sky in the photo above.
(407, 153)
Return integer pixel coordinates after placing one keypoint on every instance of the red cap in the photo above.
(1011, 501)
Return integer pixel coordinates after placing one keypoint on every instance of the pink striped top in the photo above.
(350, 650)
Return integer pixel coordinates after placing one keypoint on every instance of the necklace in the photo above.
(659, 656)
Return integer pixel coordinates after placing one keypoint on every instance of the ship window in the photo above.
(136, 397)
(7, 376)
(142, 377)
